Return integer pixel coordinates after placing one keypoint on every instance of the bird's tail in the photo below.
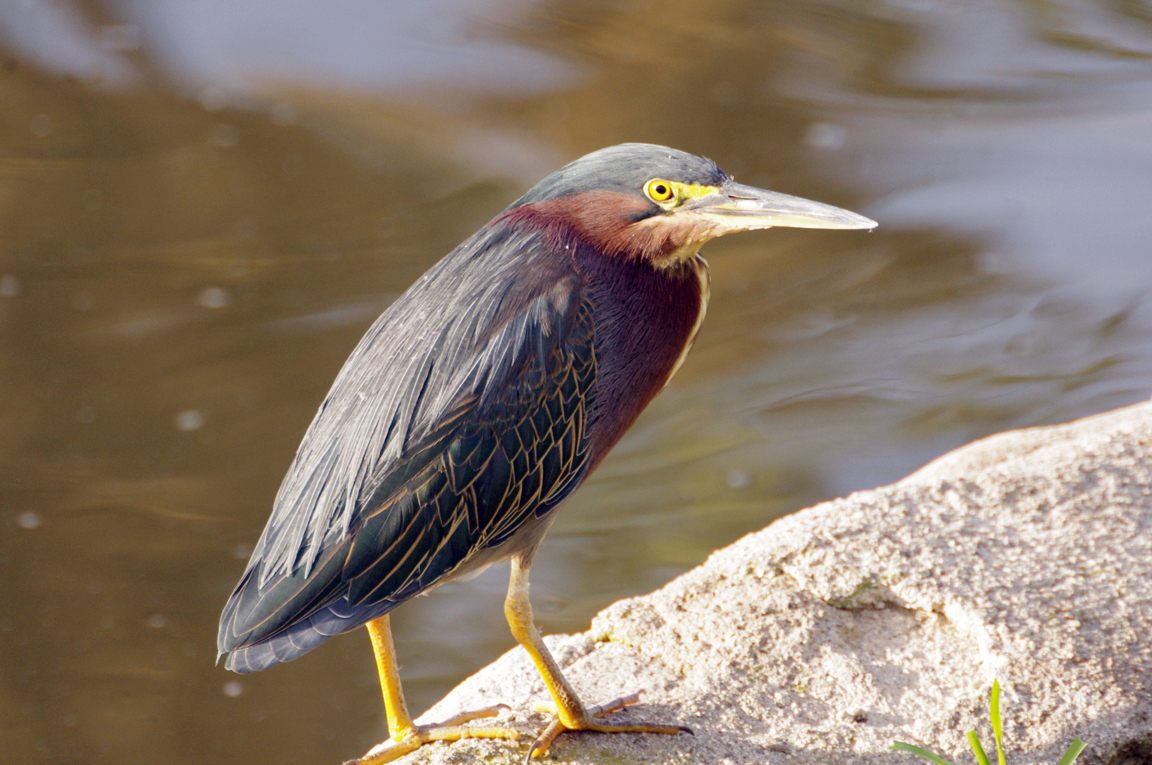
(301, 637)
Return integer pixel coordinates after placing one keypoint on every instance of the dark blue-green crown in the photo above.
(625, 168)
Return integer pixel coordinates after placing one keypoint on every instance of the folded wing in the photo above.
(458, 423)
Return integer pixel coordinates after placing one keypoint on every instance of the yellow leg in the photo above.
(400, 722)
(404, 735)
(570, 712)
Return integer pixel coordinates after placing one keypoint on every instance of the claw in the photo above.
(540, 746)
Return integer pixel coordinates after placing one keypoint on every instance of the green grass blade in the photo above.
(996, 720)
(978, 750)
(900, 746)
(1073, 752)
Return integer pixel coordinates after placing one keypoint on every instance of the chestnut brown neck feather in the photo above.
(613, 223)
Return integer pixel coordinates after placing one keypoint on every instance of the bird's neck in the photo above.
(611, 223)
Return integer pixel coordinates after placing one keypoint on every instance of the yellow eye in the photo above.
(658, 190)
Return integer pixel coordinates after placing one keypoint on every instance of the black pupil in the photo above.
(661, 190)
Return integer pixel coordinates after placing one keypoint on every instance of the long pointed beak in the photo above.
(736, 207)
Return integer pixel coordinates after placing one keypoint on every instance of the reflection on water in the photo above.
(180, 279)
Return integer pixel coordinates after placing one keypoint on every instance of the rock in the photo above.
(886, 615)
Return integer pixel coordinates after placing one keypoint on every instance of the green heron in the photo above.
(479, 401)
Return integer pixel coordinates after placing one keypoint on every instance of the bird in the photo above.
(478, 402)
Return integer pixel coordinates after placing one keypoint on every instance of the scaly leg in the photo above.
(570, 712)
(405, 735)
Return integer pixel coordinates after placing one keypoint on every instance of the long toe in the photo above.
(592, 722)
(450, 730)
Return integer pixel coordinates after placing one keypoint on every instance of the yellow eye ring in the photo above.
(659, 190)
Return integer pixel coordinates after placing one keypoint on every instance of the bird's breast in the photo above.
(646, 320)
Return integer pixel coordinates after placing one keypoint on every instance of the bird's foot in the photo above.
(449, 730)
(589, 720)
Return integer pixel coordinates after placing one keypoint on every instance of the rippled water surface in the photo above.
(202, 207)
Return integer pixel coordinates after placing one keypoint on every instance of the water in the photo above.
(200, 214)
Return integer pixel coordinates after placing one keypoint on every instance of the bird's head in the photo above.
(640, 201)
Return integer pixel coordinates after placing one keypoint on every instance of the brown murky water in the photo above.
(201, 210)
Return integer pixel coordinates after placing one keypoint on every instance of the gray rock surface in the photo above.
(886, 615)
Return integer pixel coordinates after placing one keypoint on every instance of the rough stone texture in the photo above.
(886, 615)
